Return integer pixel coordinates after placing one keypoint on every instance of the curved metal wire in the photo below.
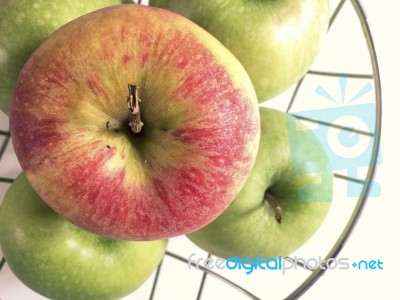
(338, 246)
(372, 165)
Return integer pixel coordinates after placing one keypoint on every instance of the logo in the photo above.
(345, 130)
(282, 264)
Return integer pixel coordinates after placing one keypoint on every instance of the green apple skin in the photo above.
(293, 167)
(69, 122)
(24, 25)
(275, 40)
(61, 261)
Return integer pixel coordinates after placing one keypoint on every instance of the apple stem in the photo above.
(134, 110)
(278, 209)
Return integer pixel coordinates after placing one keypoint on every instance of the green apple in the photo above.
(24, 25)
(284, 201)
(134, 123)
(61, 261)
(275, 40)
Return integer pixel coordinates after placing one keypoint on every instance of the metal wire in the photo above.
(338, 246)
(372, 164)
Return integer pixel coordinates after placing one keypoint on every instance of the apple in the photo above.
(284, 201)
(134, 123)
(275, 40)
(61, 261)
(24, 25)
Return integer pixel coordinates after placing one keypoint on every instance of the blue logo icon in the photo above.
(346, 132)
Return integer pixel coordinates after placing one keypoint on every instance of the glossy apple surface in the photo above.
(61, 261)
(275, 40)
(69, 122)
(291, 170)
(24, 25)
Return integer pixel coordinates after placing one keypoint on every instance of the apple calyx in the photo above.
(134, 110)
(269, 199)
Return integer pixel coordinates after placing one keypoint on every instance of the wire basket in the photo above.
(203, 280)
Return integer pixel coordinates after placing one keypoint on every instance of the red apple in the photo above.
(126, 168)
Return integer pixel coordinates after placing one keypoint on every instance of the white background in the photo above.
(376, 234)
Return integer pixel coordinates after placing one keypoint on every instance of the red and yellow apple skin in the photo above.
(69, 123)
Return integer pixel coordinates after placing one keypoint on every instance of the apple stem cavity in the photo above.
(134, 110)
(268, 198)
